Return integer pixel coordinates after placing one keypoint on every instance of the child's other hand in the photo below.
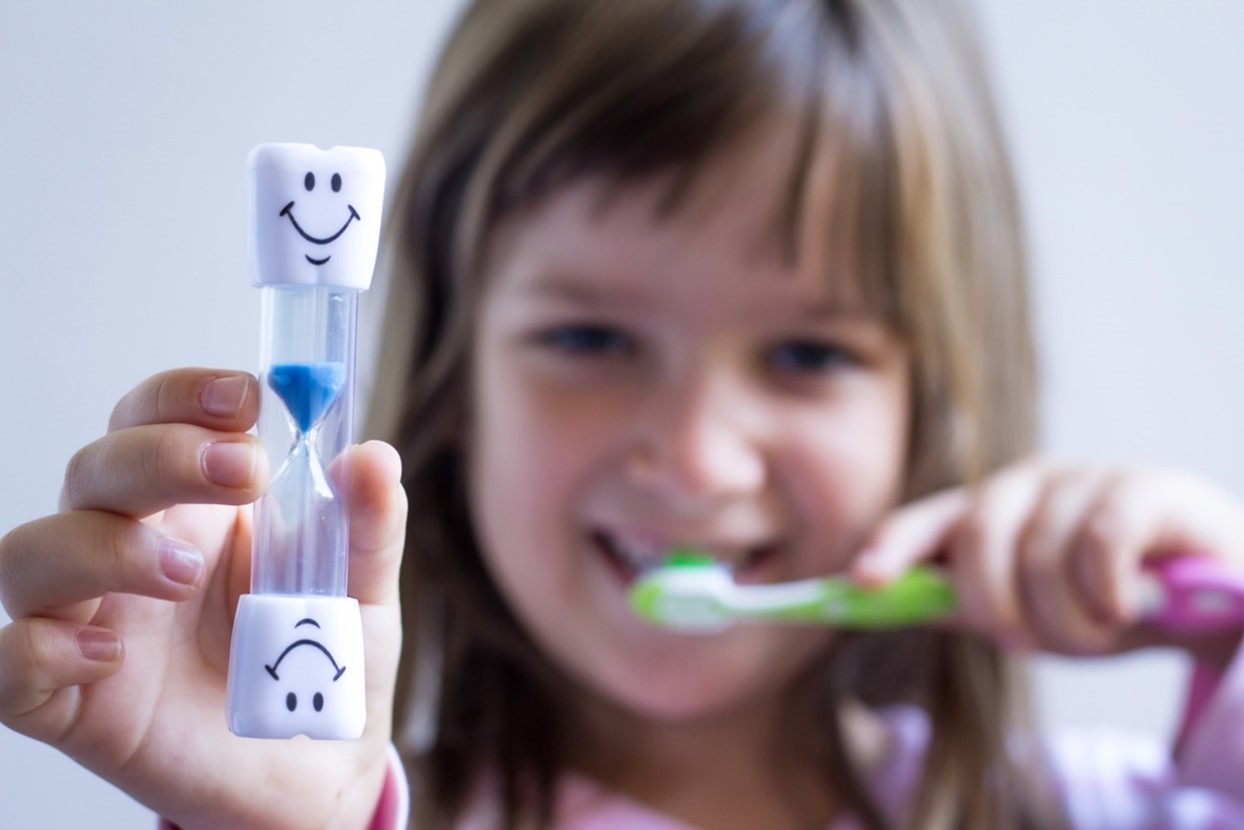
(123, 604)
(1049, 557)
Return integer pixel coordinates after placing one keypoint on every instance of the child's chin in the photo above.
(684, 693)
(677, 704)
(680, 678)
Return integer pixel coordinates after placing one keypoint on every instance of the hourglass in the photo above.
(296, 660)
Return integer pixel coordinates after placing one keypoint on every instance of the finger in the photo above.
(1062, 615)
(372, 474)
(377, 523)
(61, 565)
(141, 470)
(982, 557)
(1122, 522)
(223, 400)
(40, 657)
(911, 534)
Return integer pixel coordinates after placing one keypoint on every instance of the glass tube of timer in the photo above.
(306, 376)
(296, 656)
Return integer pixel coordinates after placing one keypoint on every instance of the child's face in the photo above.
(643, 382)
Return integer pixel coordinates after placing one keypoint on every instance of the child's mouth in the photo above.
(628, 557)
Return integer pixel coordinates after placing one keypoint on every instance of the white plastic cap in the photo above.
(314, 215)
(296, 668)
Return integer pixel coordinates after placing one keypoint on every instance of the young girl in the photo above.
(739, 276)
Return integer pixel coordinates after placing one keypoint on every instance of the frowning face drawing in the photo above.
(297, 668)
(317, 669)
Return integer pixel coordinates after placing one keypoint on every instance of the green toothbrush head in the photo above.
(685, 593)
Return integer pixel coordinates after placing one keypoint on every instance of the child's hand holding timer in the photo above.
(123, 603)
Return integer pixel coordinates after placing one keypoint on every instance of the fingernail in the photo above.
(180, 562)
(224, 397)
(98, 644)
(229, 464)
(870, 566)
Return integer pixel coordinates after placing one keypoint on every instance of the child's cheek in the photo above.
(847, 471)
(514, 481)
(535, 443)
(550, 431)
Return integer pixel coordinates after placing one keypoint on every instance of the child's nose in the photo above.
(697, 448)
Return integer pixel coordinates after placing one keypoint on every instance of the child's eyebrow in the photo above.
(585, 292)
(834, 312)
(578, 291)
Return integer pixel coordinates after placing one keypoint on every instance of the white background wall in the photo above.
(124, 126)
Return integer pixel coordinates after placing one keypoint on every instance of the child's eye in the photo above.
(809, 357)
(587, 339)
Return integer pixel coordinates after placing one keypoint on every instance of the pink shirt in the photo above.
(1109, 780)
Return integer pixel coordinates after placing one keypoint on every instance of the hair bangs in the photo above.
(701, 78)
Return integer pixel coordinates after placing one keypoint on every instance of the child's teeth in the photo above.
(641, 555)
(637, 555)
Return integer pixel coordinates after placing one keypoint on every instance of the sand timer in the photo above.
(296, 661)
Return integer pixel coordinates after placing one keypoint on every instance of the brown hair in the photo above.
(530, 95)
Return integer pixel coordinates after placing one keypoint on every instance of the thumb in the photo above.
(911, 534)
(377, 516)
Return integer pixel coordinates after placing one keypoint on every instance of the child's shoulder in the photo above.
(1108, 778)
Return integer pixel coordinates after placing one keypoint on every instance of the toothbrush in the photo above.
(695, 593)
(692, 592)
(1192, 593)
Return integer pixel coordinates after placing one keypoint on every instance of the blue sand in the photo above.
(307, 389)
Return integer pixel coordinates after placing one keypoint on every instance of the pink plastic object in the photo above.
(1197, 594)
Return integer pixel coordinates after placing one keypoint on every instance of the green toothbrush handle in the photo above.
(920, 595)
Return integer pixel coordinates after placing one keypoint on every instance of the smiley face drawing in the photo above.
(318, 652)
(314, 214)
(288, 210)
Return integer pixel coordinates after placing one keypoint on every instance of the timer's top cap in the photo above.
(314, 215)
